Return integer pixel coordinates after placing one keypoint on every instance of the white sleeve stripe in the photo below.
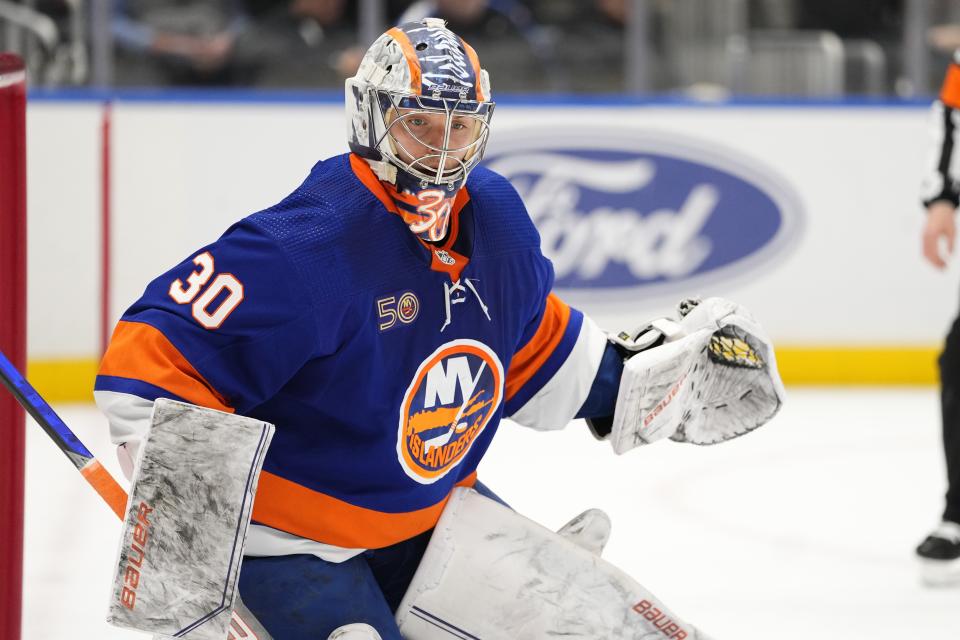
(129, 415)
(266, 541)
(561, 397)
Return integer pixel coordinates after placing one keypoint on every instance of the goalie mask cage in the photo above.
(13, 316)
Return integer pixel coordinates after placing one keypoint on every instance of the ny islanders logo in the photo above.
(452, 396)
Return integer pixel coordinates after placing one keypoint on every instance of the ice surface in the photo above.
(803, 529)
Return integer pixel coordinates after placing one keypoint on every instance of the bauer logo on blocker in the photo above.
(622, 210)
(451, 399)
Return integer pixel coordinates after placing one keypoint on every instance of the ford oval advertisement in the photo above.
(635, 211)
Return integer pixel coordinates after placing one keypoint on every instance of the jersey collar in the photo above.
(443, 257)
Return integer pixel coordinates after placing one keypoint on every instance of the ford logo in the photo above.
(626, 210)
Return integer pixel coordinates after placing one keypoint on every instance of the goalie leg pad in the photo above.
(590, 530)
(493, 574)
(355, 632)
(187, 519)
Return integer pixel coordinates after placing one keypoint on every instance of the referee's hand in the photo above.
(939, 233)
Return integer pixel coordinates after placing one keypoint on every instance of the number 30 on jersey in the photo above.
(225, 289)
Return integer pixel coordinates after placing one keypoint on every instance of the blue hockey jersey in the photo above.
(385, 362)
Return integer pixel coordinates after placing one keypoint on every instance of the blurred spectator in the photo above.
(771, 14)
(469, 12)
(304, 43)
(518, 53)
(45, 33)
(592, 36)
(593, 53)
(59, 10)
(880, 20)
(183, 42)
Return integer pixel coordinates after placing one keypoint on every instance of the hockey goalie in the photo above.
(384, 318)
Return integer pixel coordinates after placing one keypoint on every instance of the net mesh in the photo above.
(731, 346)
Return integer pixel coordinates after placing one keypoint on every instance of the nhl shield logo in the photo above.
(451, 399)
(444, 257)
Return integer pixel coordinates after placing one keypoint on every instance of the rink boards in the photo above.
(806, 213)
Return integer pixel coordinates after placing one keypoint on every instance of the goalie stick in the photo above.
(88, 466)
(241, 627)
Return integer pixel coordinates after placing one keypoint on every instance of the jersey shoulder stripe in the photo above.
(541, 346)
(139, 351)
(555, 395)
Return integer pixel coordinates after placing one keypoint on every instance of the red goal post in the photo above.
(13, 333)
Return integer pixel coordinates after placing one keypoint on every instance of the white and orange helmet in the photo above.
(418, 67)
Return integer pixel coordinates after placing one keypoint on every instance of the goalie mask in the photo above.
(418, 111)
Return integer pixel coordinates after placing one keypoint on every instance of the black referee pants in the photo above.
(950, 407)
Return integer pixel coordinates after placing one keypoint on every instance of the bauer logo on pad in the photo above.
(187, 520)
(622, 211)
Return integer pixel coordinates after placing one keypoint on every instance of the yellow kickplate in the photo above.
(67, 380)
(858, 365)
(71, 380)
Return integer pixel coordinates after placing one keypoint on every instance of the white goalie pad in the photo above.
(713, 380)
(187, 519)
(493, 574)
(358, 631)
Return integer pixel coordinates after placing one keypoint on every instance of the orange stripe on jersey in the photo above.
(412, 62)
(475, 62)
(463, 197)
(407, 198)
(531, 357)
(288, 506)
(950, 92)
(459, 261)
(453, 270)
(141, 352)
(385, 193)
(363, 171)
